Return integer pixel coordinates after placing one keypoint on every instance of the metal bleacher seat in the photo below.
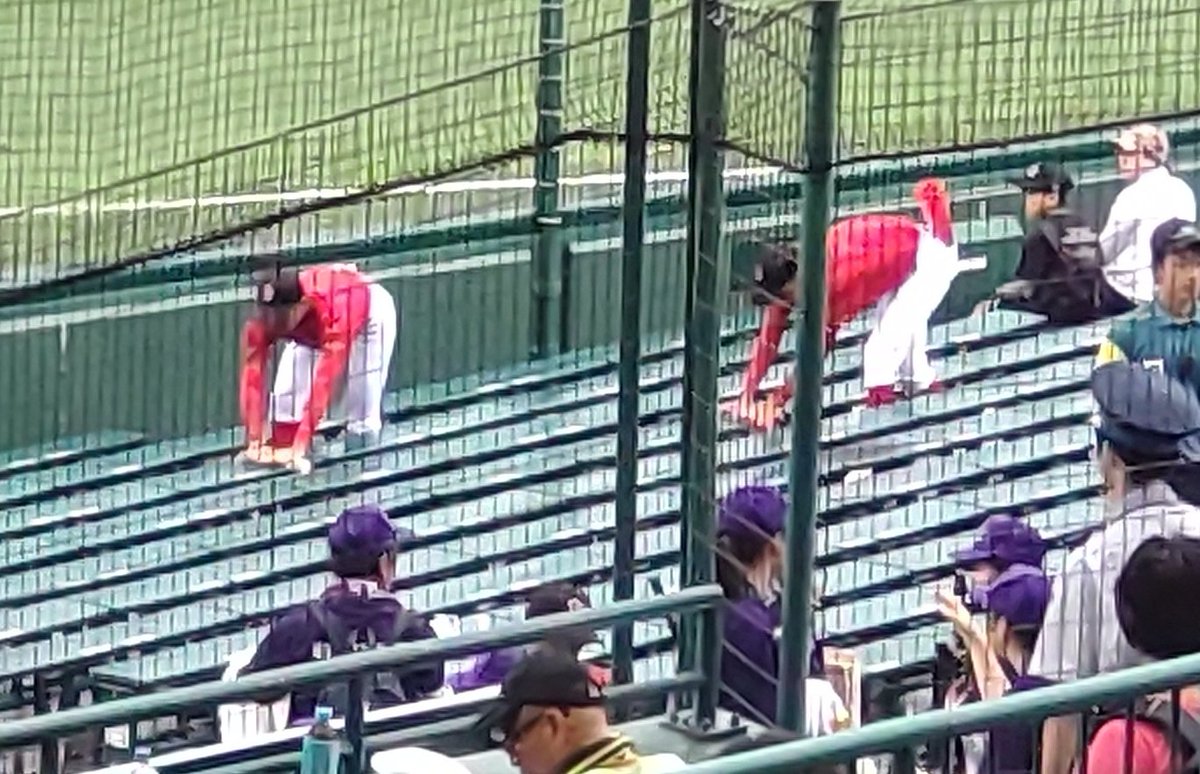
(149, 565)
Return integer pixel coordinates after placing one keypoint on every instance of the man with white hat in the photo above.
(1153, 196)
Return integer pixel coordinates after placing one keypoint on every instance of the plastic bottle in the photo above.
(321, 752)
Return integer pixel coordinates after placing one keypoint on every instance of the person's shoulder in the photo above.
(1108, 746)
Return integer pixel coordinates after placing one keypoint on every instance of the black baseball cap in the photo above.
(545, 678)
(1174, 234)
(276, 285)
(776, 267)
(556, 598)
(1044, 176)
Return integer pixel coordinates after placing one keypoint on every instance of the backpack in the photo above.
(383, 689)
(1158, 712)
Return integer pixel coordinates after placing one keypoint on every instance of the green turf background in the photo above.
(239, 96)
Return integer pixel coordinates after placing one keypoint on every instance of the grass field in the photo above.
(245, 99)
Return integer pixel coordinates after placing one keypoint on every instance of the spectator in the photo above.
(749, 564)
(1002, 541)
(551, 719)
(1155, 592)
(1148, 423)
(356, 612)
(770, 738)
(1153, 196)
(1166, 332)
(1015, 602)
(1059, 275)
(491, 668)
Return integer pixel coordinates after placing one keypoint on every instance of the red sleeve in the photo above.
(335, 351)
(256, 343)
(1106, 751)
(765, 347)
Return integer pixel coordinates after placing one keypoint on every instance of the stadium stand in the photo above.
(144, 566)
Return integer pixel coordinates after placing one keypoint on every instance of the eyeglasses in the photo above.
(512, 737)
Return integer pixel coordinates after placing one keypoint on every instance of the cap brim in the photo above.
(1189, 448)
(972, 556)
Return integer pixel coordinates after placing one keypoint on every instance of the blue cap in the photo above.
(1019, 595)
(1005, 539)
(753, 513)
(1146, 414)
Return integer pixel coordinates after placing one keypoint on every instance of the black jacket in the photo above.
(1059, 257)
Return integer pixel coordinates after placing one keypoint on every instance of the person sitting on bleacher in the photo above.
(749, 565)
(491, 668)
(1147, 424)
(1156, 591)
(1165, 333)
(1014, 603)
(356, 612)
(552, 718)
(1059, 275)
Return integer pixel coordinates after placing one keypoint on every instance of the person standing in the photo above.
(1154, 195)
(340, 330)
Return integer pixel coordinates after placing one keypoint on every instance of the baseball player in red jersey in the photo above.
(900, 264)
(340, 330)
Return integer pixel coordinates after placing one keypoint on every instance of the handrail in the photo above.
(59, 724)
(888, 736)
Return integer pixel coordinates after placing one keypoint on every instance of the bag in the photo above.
(383, 689)
(1157, 711)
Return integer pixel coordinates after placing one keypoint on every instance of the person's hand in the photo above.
(951, 607)
(1015, 290)
(294, 459)
(256, 453)
(983, 307)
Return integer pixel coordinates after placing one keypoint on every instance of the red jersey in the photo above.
(339, 301)
(866, 257)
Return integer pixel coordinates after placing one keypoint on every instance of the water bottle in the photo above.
(321, 752)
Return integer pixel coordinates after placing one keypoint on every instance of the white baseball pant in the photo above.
(895, 350)
(365, 378)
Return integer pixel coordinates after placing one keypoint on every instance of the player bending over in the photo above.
(340, 330)
(902, 265)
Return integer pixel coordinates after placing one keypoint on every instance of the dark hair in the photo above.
(284, 282)
(1184, 478)
(734, 553)
(356, 565)
(1156, 595)
(770, 738)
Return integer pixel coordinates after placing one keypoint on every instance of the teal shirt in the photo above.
(1150, 336)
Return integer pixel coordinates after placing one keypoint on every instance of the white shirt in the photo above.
(1151, 200)
(1081, 635)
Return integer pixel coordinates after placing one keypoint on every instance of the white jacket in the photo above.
(1154, 198)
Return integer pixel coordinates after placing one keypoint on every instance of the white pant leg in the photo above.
(293, 382)
(370, 358)
(896, 348)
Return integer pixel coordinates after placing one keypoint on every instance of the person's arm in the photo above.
(256, 345)
(288, 642)
(1120, 230)
(1109, 351)
(422, 679)
(1067, 649)
(765, 347)
(331, 362)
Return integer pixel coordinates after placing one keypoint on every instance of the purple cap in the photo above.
(1006, 539)
(1019, 595)
(753, 513)
(363, 530)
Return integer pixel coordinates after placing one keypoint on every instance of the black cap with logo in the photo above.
(545, 678)
(1045, 176)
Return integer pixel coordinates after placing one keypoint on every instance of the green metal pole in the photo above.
(637, 104)
(708, 275)
(547, 242)
(819, 134)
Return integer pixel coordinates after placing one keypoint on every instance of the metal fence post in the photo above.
(707, 286)
(547, 243)
(637, 108)
(819, 134)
